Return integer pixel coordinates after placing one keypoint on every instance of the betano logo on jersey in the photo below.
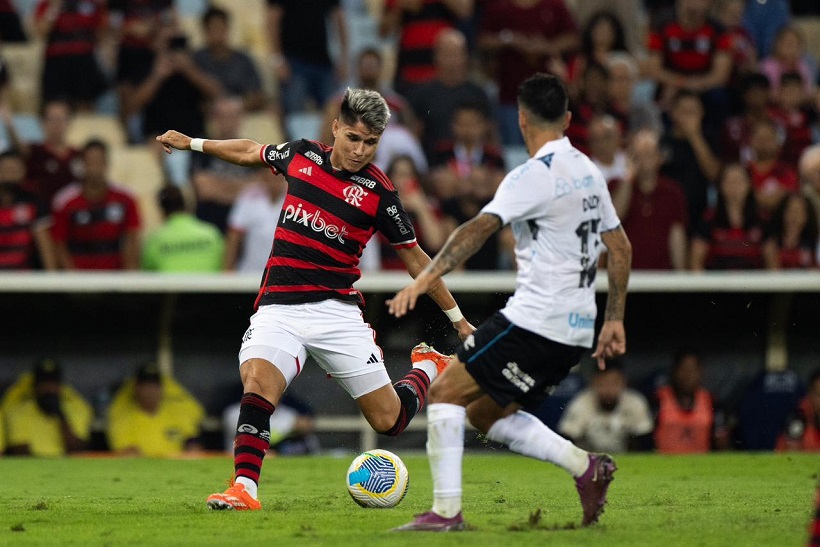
(314, 221)
(354, 195)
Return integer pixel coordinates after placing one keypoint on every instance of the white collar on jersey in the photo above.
(559, 145)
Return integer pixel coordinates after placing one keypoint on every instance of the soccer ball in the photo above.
(377, 478)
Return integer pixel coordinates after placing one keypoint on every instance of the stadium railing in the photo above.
(780, 286)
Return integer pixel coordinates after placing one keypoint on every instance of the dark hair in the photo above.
(791, 78)
(544, 96)
(11, 154)
(95, 143)
(808, 237)
(598, 17)
(473, 106)
(682, 353)
(215, 13)
(751, 217)
(396, 160)
(754, 80)
(375, 52)
(684, 93)
(170, 199)
(55, 100)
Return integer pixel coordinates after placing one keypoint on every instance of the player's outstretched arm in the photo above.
(461, 245)
(612, 340)
(239, 151)
(415, 259)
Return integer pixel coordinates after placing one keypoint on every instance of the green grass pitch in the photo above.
(720, 499)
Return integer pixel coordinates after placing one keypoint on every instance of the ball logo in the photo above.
(314, 221)
(354, 195)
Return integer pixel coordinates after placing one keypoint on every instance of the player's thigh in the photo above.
(455, 386)
(272, 352)
(380, 407)
(513, 365)
(484, 412)
(345, 347)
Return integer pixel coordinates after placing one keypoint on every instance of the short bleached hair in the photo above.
(366, 106)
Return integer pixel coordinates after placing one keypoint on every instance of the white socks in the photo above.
(445, 447)
(428, 367)
(527, 435)
(250, 486)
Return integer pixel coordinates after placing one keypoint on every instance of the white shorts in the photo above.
(331, 331)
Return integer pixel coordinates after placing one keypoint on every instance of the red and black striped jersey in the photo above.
(688, 51)
(18, 221)
(93, 230)
(327, 218)
(74, 32)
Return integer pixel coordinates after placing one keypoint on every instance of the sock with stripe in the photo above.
(412, 392)
(252, 440)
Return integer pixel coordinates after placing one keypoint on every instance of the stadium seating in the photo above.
(137, 169)
(87, 126)
(25, 62)
(262, 127)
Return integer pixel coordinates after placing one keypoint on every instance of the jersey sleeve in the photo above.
(279, 156)
(394, 223)
(523, 194)
(609, 218)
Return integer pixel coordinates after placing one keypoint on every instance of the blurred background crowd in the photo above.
(702, 115)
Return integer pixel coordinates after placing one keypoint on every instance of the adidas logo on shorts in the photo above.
(373, 360)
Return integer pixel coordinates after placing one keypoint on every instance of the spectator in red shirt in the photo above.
(810, 177)
(771, 178)
(25, 221)
(522, 37)
(652, 209)
(71, 29)
(691, 53)
(419, 23)
(96, 224)
(795, 115)
(592, 101)
(737, 130)
(52, 164)
(729, 235)
(140, 25)
(792, 240)
(741, 43)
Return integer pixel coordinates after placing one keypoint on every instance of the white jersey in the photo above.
(558, 205)
(255, 215)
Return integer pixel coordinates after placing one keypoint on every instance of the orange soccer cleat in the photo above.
(234, 498)
(423, 352)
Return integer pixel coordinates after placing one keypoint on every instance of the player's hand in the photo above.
(405, 299)
(464, 329)
(611, 342)
(171, 140)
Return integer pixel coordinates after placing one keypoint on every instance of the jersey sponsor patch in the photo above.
(314, 221)
(314, 157)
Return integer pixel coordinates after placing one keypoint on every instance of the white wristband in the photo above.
(454, 314)
(196, 144)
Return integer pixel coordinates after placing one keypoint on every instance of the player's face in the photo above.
(354, 146)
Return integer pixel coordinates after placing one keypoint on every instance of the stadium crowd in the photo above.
(702, 115)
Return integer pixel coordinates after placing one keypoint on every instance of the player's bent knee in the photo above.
(444, 390)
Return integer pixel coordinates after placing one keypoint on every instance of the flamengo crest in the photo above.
(354, 195)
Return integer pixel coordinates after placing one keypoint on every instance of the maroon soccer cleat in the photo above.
(592, 486)
(432, 522)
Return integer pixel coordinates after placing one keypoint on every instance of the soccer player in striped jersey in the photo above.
(307, 305)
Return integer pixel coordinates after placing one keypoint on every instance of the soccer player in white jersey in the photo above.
(560, 211)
